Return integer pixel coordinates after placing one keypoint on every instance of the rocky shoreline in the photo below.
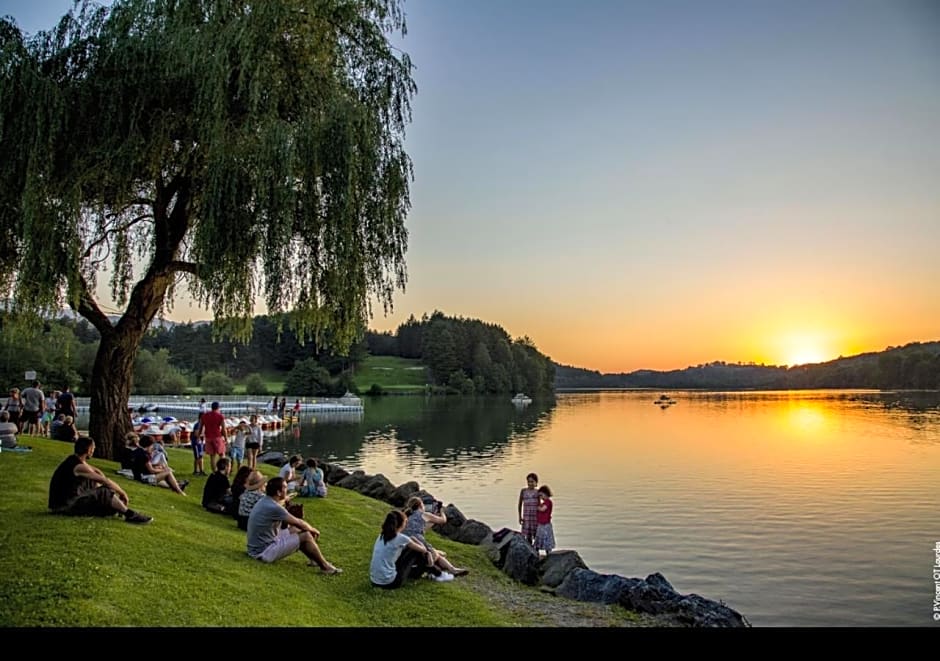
(562, 573)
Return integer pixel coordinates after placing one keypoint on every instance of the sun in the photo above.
(803, 348)
(805, 356)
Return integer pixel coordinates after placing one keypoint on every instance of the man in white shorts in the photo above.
(269, 542)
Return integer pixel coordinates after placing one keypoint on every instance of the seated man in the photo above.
(146, 473)
(217, 494)
(7, 431)
(268, 542)
(56, 426)
(79, 489)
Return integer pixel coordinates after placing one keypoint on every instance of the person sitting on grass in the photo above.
(217, 494)
(254, 491)
(418, 520)
(145, 472)
(312, 484)
(79, 489)
(289, 473)
(269, 542)
(397, 557)
(65, 431)
(8, 431)
(239, 484)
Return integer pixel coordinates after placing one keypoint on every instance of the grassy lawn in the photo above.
(189, 568)
(392, 373)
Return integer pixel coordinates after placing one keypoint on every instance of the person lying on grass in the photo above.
(79, 489)
(269, 542)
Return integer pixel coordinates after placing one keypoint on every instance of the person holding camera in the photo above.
(418, 520)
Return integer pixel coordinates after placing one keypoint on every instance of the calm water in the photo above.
(795, 508)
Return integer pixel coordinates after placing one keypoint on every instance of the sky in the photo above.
(661, 184)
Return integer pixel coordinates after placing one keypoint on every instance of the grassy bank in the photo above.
(189, 568)
(391, 373)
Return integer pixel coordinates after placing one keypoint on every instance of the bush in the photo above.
(255, 385)
(308, 378)
(376, 390)
(216, 383)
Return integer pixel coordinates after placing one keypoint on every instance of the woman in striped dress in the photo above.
(528, 507)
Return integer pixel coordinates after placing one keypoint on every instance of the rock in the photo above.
(353, 481)
(273, 458)
(378, 487)
(588, 585)
(332, 473)
(401, 494)
(472, 532)
(697, 611)
(520, 561)
(455, 519)
(494, 543)
(555, 566)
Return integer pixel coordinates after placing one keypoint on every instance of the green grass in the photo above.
(189, 568)
(392, 373)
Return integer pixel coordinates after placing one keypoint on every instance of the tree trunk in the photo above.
(111, 380)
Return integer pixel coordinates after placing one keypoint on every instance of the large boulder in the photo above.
(656, 595)
(588, 585)
(378, 487)
(402, 493)
(520, 561)
(494, 543)
(472, 532)
(354, 480)
(555, 566)
(273, 458)
(332, 473)
(455, 519)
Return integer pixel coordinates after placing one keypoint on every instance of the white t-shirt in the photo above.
(384, 556)
(287, 472)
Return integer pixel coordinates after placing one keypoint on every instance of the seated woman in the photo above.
(8, 431)
(239, 484)
(396, 557)
(312, 484)
(418, 519)
(66, 431)
(254, 491)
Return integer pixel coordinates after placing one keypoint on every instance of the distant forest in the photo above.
(461, 355)
(913, 366)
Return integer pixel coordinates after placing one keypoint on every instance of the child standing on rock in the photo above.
(528, 507)
(545, 534)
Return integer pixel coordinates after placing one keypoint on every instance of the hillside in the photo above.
(913, 366)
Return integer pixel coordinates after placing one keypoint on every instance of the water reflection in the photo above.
(437, 428)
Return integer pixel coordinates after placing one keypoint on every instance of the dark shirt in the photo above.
(65, 404)
(217, 487)
(139, 460)
(64, 483)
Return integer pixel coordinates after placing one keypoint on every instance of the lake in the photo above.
(805, 508)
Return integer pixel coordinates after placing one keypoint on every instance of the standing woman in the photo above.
(418, 520)
(14, 406)
(396, 557)
(255, 442)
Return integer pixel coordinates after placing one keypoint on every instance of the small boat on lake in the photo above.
(521, 399)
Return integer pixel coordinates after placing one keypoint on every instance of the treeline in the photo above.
(462, 355)
(913, 366)
(179, 357)
(468, 355)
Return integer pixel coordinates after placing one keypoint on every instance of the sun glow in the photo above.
(802, 348)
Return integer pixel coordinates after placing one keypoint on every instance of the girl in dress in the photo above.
(528, 507)
(545, 534)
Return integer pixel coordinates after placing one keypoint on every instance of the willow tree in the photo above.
(242, 150)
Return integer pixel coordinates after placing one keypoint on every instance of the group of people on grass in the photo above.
(400, 552)
(30, 411)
